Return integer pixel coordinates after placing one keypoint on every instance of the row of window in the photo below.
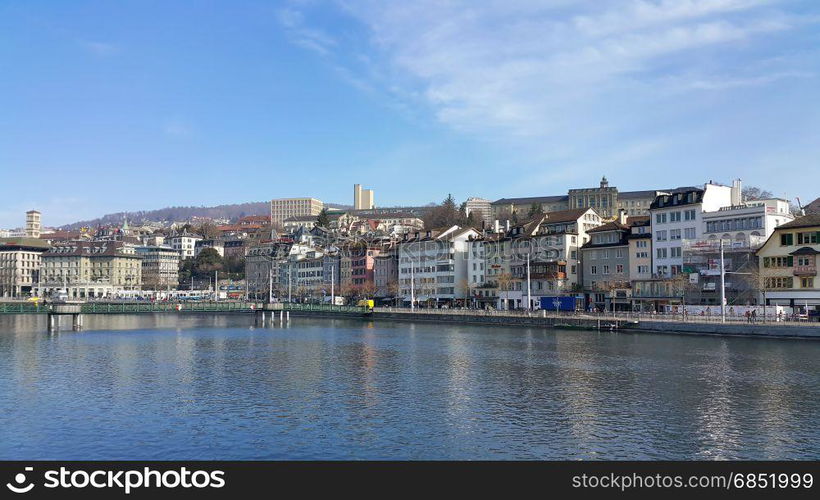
(661, 218)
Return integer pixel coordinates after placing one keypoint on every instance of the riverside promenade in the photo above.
(673, 324)
(267, 313)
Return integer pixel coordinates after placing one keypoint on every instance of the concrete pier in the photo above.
(60, 310)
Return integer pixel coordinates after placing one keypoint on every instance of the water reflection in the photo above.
(199, 386)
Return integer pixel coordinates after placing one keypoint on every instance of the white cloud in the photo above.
(579, 82)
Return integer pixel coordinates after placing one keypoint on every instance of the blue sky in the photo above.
(115, 106)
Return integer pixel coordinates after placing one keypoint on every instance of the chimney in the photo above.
(737, 192)
(622, 216)
(507, 225)
(496, 226)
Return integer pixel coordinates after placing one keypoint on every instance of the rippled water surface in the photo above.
(203, 387)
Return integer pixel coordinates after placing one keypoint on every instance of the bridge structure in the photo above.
(263, 312)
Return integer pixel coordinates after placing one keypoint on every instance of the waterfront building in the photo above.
(363, 199)
(433, 266)
(788, 266)
(700, 282)
(20, 260)
(184, 243)
(281, 209)
(262, 267)
(330, 271)
(482, 208)
(386, 275)
(753, 221)
(640, 248)
(160, 267)
(605, 265)
(309, 276)
(678, 216)
(89, 269)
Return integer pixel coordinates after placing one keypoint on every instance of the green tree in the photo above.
(323, 219)
(535, 209)
(207, 262)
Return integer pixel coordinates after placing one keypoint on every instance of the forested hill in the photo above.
(232, 212)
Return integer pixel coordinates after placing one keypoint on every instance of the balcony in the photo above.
(805, 270)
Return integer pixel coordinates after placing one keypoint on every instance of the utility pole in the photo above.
(412, 287)
(332, 282)
(529, 286)
(270, 282)
(216, 286)
(289, 276)
(722, 286)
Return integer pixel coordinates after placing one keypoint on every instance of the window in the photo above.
(778, 261)
(619, 253)
(808, 238)
(689, 215)
(643, 269)
(689, 233)
(806, 282)
(674, 217)
(661, 253)
(660, 218)
(779, 282)
(660, 235)
(619, 268)
(606, 269)
(593, 270)
(786, 239)
(674, 234)
(675, 251)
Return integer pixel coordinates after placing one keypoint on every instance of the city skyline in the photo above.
(147, 105)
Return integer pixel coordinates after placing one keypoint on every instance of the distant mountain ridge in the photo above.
(180, 214)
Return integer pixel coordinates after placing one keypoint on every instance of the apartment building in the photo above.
(20, 265)
(678, 216)
(184, 243)
(750, 223)
(160, 267)
(788, 266)
(482, 209)
(433, 266)
(89, 269)
(281, 209)
(363, 199)
(605, 260)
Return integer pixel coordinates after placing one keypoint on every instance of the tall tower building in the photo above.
(363, 199)
(32, 224)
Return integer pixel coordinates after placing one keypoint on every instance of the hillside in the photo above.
(232, 212)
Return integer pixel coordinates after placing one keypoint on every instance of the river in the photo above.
(214, 387)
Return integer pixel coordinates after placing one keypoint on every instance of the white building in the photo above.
(751, 222)
(185, 244)
(678, 216)
(20, 265)
(433, 267)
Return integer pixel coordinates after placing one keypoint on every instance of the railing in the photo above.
(324, 308)
(617, 315)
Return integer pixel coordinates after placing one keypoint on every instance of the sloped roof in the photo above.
(530, 200)
(804, 221)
